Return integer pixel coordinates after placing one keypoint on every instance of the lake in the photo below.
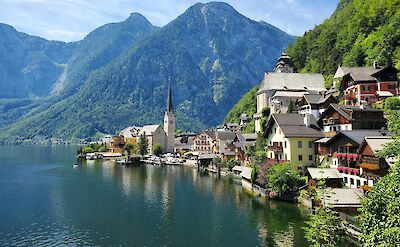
(44, 201)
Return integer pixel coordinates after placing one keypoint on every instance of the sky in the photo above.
(72, 20)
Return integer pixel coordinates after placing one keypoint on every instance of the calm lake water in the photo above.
(44, 201)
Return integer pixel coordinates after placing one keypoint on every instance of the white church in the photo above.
(155, 134)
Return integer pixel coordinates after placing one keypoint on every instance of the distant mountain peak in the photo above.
(137, 18)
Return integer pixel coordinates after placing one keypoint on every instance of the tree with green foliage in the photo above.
(380, 212)
(143, 144)
(283, 178)
(232, 163)
(131, 149)
(157, 151)
(87, 149)
(265, 114)
(323, 227)
(290, 108)
(216, 161)
(392, 103)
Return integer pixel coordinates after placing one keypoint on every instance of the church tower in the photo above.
(284, 64)
(169, 122)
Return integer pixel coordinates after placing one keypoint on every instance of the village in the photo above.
(331, 135)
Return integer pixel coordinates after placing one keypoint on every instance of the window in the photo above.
(299, 144)
(352, 181)
(310, 157)
(366, 88)
(358, 183)
(310, 144)
(392, 86)
(345, 180)
(300, 157)
(285, 144)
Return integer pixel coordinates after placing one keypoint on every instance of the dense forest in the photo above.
(358, 33)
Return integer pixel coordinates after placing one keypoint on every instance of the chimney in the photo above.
(307, 120)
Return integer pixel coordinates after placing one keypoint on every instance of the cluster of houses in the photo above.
(307, 127)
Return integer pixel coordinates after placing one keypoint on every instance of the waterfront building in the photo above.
(290, 138)
(204, 142)
(281, 87)
(242, 143)
(344, 117)
(367, 85)
(155, 135)
(184, 142)
(130, 134)
(117, 144)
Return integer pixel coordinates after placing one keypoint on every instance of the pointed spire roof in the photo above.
(169, 98)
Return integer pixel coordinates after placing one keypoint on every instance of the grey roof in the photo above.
(323, 173)
(344, 198)
(149, 129)
(249, 137)
(246, 172)
(289, 94)
(225, 135)
(312, 98)
(293, 125)
(292, 81)
(361, 73)
(377, 143)
(358, 135)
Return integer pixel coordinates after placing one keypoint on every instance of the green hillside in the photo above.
(358, 33)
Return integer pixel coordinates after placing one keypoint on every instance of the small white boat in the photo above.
(75, 165)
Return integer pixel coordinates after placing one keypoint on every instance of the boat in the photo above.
(75, 165)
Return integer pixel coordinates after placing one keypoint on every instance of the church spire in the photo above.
(169, 98)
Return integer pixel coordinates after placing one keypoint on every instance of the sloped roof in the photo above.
(323, 173)
(246, 172)
(292, 81)
(361, 73)
(149, 129)
(358, 135)
(377, 143)
(347, 110)
(344, 198)
(225, 135)
(293, 125)
(290, 94)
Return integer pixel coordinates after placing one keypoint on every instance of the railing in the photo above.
(275, 148)
(349, 170)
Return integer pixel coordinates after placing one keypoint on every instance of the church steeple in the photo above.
(169, 98)
(169, 122)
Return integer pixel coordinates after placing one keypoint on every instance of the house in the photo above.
(242, 144)
(340, 152)
(372, 166)
(315, 104)
(282, 86)
(330, 176)
(130, 134)
(203, 143)
(291, 137)
(244, 119)
(117, 144)
(233, 127)
(223, 145)
(184, 142)
(343, 117)
(155, 135)
(367, 85)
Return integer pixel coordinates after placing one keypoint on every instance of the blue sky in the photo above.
(71, 20)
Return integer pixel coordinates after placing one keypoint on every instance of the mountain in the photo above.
(30, 65)
(212, 53)
(358, 33)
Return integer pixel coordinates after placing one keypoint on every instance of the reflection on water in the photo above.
(46, 202)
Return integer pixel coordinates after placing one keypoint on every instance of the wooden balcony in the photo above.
(275, 148)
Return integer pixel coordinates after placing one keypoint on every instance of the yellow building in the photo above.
(290, 138)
